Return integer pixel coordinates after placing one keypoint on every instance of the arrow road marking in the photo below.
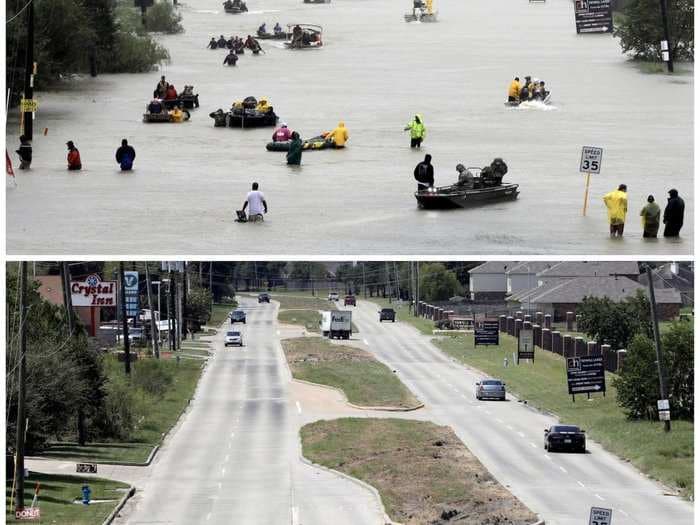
(208, 516)
(298, 407)
(365, 342)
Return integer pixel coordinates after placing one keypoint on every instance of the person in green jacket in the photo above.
(651, 215)
(417, 129)
(295, 149)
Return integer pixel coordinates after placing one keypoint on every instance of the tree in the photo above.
(198, 302)
(638, 382)
(641, 31)
(613, 323)
(437, 283)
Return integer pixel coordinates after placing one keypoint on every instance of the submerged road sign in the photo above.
(593, 16)
(600, 516)
(585, 374)
(487, 334)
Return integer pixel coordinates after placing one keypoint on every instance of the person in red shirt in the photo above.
(73, 157)
(170, 93)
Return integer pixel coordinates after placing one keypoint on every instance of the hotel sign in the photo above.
(94, 292)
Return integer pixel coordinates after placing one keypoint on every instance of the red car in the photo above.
(350, 300)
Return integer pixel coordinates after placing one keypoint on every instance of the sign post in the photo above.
(664, 410)
(593, 16)
(487, 334)
(600, 516)
(591, 159)
(526, 348)
(585, 374)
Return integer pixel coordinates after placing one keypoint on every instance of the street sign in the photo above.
(662, 404)
(591, 159)
(487, 334)
(93, 292)
(600, 516)
(585, 374)
(28, 105)
(593, 16)
(664, 415)
(131, 293)
(526, 348)
(86, 468)
(31, 513)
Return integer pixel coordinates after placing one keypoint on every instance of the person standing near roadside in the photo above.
(73, 158)
(651, 216)
(125, 156)
(256, 204)
(25, 153)
(673, 214)
(616, 203)
(417, 128)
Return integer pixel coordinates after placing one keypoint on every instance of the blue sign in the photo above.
(131, 293)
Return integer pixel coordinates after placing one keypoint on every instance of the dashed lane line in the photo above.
(582, 485)
(563, 469)
(298, 407)
(601, 498)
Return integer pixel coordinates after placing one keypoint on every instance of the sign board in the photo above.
(86, 468)
(131, 293)
(585, 374)
(600, 516)
(176, 266)
(591, 159)
(94, 292)
(487, 334)
(28, 105)
(593, 16)
(462, 323)
(664, 415)
(662, 404)
(526, 348)
(32, 513)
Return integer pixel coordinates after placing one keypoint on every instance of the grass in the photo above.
(666, 457)
(219, 314)
(309, 319)
(364, 380)
(196, 351)
(156, 415)
(303, 303)
(56, 496)
(419, 469)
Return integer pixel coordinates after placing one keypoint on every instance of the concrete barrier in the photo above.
(518, 327)
(547, 339)
(557, 343)
(548, 321)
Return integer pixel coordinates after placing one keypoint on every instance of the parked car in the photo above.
(233, 338)
(264, 298)
(333, 296)
(350, 300)
(237, 316)
(564, 437)
(490, 388)
(387, 314)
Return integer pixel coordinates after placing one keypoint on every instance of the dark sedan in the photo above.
(387, 314)
(264, 298)
(237, 316)
(564, 437)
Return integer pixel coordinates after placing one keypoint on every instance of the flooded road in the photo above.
(374, 73)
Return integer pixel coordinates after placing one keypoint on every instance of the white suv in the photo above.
(233, 338)
(333, 296)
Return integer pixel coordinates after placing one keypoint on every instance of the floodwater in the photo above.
(374, 72)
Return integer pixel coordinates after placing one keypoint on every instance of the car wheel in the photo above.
(545, 446)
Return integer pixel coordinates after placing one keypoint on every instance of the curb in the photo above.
(112, 515)
(367, 486)
(360, 407)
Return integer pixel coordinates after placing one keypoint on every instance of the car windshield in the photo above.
(565, 428)
(387, 310)
(492, 382)
(233, 334)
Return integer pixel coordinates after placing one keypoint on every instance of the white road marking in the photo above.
(533, 445)
(278, 332)
(465, 397)
(233, 434)
(219, 485)
(230, 445)
(365, 342)
(208, 516)
(601, 498)
(295, 515)
(509, 427)
(223, 471)
(563, 469)
(521, 434)
(499, 420)
(298, 407)
(582, 485)
(226, 458)
(623, 512)
(547, 457)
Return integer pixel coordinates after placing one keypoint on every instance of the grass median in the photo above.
(155, 412)
(422, 471)
(365, 381)
(219, 313)
(57, 494)
(666, 457)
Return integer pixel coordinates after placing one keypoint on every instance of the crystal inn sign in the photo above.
(94, 292)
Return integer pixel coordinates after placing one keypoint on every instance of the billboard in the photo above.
(585, 374)
(93, 291)
(487, 334)
(593, 16)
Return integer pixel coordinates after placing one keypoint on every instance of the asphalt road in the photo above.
(235, 456)
(507, 437)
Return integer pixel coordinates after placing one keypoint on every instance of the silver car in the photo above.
(233, 338)
(490, 388)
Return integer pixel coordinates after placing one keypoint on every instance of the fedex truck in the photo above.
(336, 324)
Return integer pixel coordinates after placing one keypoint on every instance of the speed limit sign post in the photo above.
(591, 159)
(600, 516)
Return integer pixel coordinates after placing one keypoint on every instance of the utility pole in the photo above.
(125, 325)
(657, 342)
(364, 283)
(28, 116)
(178, 291)
(417, 286)
(155, 333)
(183, 303)
(667, 38)
(398, 282)
(211, 293)
(413, 288)
(19, 461)
(172, 316)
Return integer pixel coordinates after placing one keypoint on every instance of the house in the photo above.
(680, 276)
(51, 289)
(524, 275)
(565, 295)
(569, 269)
(488, 281)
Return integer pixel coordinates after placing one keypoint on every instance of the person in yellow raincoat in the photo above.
(514, 90)
(616, 202)
(263, 105)
(429, 6)
(417, 128)
(339, 136)
(176, 115)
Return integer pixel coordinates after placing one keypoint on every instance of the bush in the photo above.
(163, 18)
(152, 376)
(117, 417)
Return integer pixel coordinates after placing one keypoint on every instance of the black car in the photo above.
(237, 316)
(563, 437)
(264, 298)
(387, 314)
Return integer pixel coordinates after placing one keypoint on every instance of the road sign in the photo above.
(30, 513)
(585, 374)
(526, 348)
(662, 404)
(28, 105)
(487, 334)
(593, 16)
(131, 293)
(591, 159)
(86, 468)
(600, 516)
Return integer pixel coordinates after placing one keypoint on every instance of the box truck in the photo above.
(336, 324)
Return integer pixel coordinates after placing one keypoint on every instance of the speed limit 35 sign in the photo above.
(591, 159)
(600, 516)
